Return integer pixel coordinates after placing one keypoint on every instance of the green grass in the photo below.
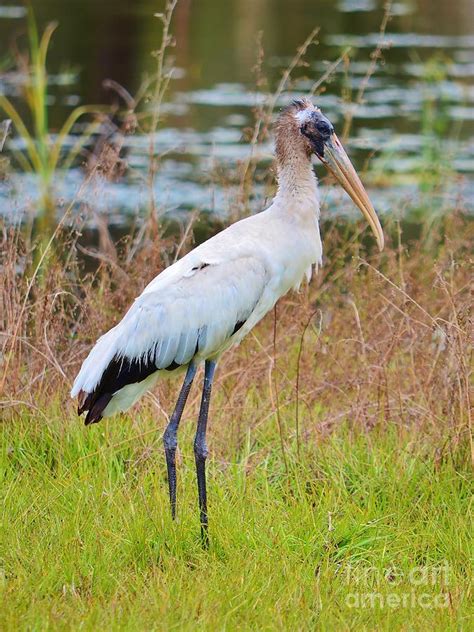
(87, 541)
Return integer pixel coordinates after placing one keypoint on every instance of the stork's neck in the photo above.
(296, 179)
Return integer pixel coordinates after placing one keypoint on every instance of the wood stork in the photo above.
(210, 299)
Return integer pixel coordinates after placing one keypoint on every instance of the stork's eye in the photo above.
(324, 128)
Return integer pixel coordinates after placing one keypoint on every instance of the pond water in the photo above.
(417, 109)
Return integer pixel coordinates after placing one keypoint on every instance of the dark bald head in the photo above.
(301, 129)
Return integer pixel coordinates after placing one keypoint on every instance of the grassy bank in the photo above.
(365, 531)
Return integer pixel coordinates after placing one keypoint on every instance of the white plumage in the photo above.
(234, 277)
(212, 297)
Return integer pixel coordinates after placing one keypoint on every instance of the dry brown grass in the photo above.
(372, 341)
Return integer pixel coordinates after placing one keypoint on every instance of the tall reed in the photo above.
(43, 153)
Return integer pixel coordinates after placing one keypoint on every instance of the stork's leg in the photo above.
(170, 438)
(200, 448)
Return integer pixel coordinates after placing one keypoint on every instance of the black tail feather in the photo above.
(119, 373)
(94, 414)
(84, 402)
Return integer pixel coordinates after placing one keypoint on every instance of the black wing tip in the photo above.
(94, 414)
(84, 402)
(87, 402)
(119, 373)
(89, 421)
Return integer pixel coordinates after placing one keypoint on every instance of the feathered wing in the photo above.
(191, 310)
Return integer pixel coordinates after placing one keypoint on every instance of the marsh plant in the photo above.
(43, 152)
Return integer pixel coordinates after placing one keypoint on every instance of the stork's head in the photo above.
(303, 129)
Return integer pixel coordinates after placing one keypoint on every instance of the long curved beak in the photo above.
(337, 162)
